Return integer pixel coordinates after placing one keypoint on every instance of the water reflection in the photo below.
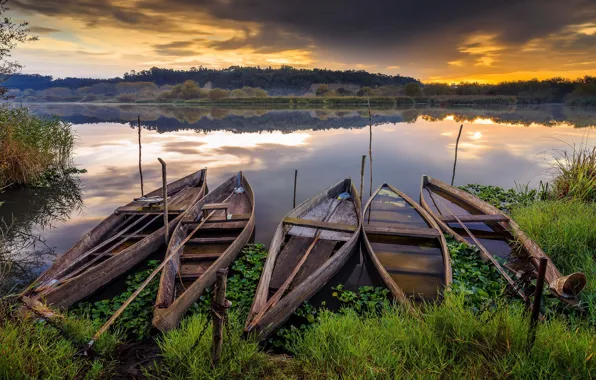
(24, 215)
(168, 118)
(268, 145)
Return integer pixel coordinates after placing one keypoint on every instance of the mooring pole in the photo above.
(456, 146)
(537, 299)
(362, 174)
(295, 182)
(165, 198)
(140, 167)
(370, 161)
(219, 311)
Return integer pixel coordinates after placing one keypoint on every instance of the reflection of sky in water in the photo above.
(488, 153)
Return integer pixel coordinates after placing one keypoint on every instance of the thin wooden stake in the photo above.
(370, 161)
(166, 221)
(456, 146)
(219, 311)
(362, 173)
(537, 299)
(140, 166)
(295, 182)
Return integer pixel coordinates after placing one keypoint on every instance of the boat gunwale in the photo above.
(168, 318)
(280, 312)
(52, 295)
(532, 249)
(396, 291)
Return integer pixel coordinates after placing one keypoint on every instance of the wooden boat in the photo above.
(455, 209)
(309, 247)
(406, 246)
(210, 236)
(118, 243)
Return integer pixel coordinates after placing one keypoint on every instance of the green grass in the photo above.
(566, 231)
(32, 349)
(450, 342)
(32, 146)
(184, 356)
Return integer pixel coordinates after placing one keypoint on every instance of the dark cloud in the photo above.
(272, 39)
(348, 31)
(43, 30)
(178, 48)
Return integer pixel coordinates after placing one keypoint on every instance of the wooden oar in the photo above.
(142, 286)
(487, 254)
(282, 289)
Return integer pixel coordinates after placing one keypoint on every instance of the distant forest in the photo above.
(282, 81)
(263, 85)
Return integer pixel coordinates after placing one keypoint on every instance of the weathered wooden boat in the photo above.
(461, 214)
(406, 246)
(117, 244)
(310, 245)
(210, 236)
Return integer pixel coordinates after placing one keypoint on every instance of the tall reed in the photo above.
(32, 145)
(575, 172)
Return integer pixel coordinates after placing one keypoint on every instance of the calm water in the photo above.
(499, 147)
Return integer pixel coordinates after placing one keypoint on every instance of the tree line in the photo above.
(285, 80)
(236, 82)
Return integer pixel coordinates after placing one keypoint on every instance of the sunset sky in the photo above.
(433, 40)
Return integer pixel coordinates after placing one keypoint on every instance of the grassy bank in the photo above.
(451, 341)
(34, 349)
(33, 149)
(566, 231)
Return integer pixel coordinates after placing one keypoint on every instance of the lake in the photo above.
(502, 147)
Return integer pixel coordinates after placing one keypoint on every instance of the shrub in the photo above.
(126, 98)
(412, 89)
(32, 145)
(217, 94)
(238, 93)
(366, 91)
(89, 98)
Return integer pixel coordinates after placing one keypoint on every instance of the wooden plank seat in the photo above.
(341, 227)
(216, 206)
(474, 218)
(221, 219)
(191, 271)
(200, 256)
(430, 233)
(215, 240)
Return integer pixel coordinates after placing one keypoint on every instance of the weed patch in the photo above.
(135, 321)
